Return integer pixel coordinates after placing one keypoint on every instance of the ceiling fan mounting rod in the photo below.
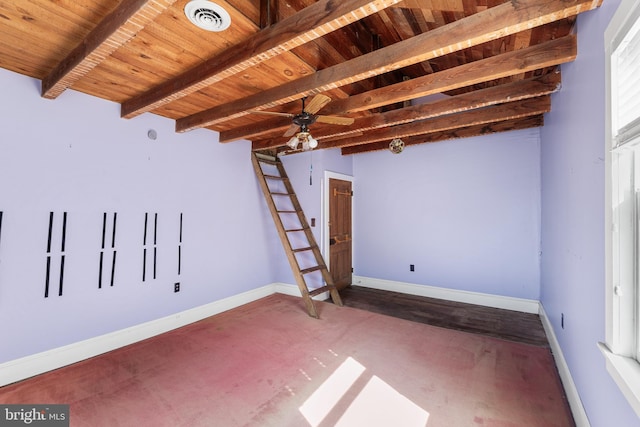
(305, 118)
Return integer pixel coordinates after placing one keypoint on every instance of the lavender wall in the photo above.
(75, 154)
(573, 225)
(466, 213)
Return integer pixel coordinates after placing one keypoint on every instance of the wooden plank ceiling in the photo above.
(420, 70)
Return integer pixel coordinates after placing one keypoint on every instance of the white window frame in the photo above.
(622, 340)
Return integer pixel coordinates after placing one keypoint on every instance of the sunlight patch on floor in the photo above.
(377, 404)
(322, 401)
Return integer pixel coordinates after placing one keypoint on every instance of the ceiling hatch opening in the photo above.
(207, 15)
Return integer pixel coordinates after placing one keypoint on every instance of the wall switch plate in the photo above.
(412, 267)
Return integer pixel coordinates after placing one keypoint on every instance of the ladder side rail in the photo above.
(275, 215)
(326, 275)
(293, 262)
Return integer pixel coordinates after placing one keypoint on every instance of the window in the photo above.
(622, 347)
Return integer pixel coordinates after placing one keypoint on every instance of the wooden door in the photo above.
(340, 248)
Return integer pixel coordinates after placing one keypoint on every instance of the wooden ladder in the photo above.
(296, 235)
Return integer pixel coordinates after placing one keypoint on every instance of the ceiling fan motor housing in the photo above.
(304, 119)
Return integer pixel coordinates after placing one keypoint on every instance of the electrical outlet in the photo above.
(176, 287)
(412, 267)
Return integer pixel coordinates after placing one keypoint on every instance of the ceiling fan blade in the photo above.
(316, 103)
(272, 113)
(335, 120)
(291, 131)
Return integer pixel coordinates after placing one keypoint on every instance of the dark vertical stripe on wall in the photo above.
(180, 247)
(64, 231)
(144, 244)
(63, 244)
(104, 235)
(113, 268)
(113, 246)
(146, 220)
(113, 233)
(62, 248)
(104, 229)
(50, 232)
(149, 242)
(144, 264)
(100, 270)
(61, 275)
(155, 242)
(48, 273)
(47, 276)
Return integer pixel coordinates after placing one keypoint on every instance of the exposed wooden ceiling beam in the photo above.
(499, 21)
(256, 130)
(507, 111)
(116, 29)
(543, 55)
(414, 4)
(520, 90)
(547, 54)
(515, 91)
(465, 132)
(310, 23)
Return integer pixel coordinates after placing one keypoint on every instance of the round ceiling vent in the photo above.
(207, 15)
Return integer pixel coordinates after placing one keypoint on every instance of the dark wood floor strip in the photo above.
(499, 323)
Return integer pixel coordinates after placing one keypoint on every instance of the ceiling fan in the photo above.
(299, 129)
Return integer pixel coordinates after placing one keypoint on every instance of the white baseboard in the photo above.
(26, 367)
(287, 289)
(575, 403)
(487, 300)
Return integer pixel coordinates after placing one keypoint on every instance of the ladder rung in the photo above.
(311, 269)
(319, 290)
(293, 230)
(287, 211)
(266, 158)
(309, 248)
(280, 194)
(276, 177)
